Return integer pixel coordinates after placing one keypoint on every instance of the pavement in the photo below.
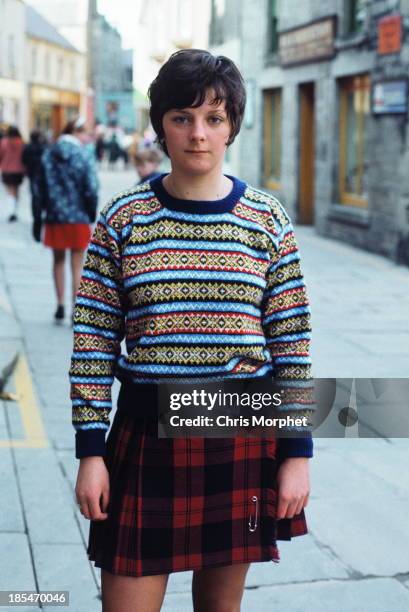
(356, 556)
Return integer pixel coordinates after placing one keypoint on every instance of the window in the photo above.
(272, 138)
(60, 69)
(355, 13)
(353, 125)
(11, 56)
(47, 66)
(73, 80)
(33, 61)
(272, 27)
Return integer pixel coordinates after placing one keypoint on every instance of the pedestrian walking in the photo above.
(114, 150)
(67, 203)
(31, 158)
(147, 164)
(200, 273)
(12, 168)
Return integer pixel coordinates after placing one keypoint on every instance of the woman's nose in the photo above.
(198, 131)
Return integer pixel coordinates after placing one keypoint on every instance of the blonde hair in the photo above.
(147, 155)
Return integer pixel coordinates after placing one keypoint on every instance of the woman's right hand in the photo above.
(92, 488)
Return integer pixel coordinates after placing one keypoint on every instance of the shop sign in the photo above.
(390, 34)
(308, 43)
(48, 95)
(390, 97)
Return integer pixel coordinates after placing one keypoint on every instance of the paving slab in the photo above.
(16, 568)
(301, 560)
(374, 595)
(11, 515)
(370, 535)
(48, 505)
(66, 569)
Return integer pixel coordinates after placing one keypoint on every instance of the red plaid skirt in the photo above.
(187, 504)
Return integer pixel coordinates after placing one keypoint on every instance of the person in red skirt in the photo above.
(66, 199)
(200, 274)
(12, 167)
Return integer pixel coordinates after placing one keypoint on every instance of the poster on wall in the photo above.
(390, 97)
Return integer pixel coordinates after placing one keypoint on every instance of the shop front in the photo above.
(51, 108)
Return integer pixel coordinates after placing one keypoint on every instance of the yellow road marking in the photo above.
(35, 435)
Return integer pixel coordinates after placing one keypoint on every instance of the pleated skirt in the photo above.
(187, 503)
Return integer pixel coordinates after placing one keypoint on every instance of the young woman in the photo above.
(200, 273)
(67, 198)
(12, 167)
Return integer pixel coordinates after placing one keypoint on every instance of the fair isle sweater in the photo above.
(198, 289)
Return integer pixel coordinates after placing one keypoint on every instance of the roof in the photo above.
(38, 27)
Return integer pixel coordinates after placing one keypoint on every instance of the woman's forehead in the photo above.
(209, 105)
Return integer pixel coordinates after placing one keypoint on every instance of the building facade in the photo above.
(165, 26)
(110, 73)
(326, 123)
(56, 76)
(70, 17)
(13, 98)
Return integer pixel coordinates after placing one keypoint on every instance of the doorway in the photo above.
(307, 154)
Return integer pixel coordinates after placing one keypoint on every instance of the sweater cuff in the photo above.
(90, 443)
(295, 447)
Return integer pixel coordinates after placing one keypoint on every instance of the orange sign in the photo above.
(390, 34)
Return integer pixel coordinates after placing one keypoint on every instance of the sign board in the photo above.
(308, 43)
(390, 97)
(389, 34)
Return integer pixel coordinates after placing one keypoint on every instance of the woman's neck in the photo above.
(200, 188)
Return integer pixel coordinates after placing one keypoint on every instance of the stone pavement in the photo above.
(356, 557)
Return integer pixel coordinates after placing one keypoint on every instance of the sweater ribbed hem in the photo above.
(90, 443)
(295, 447)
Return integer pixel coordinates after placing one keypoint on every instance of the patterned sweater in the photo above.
(197, 289)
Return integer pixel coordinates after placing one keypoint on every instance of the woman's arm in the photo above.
(287, 327)
(99, 323)
(286, 321)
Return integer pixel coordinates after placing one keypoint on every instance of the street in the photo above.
(354, 559)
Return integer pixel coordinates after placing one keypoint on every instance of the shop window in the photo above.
(353, 129)
(272, 138)
(355, 13)
(272, 27)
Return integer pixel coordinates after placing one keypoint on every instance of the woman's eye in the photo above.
(216, 120)
(179, 119)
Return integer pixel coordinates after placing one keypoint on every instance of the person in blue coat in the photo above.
(66, 202)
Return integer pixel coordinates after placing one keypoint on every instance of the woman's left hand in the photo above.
(293, 482)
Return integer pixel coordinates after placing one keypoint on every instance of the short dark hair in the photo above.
(74, 125)
(13, 132)
(184, 80)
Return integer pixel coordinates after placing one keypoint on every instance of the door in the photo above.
(307, 155)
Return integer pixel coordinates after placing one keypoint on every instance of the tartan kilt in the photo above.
(187, 503)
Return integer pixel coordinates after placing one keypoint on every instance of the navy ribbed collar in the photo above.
(198, 206)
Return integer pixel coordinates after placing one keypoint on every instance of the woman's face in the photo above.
(196, 137)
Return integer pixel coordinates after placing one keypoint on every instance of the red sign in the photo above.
(390, 34)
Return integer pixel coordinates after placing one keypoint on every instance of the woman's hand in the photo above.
(293, 483)
(92, 488)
